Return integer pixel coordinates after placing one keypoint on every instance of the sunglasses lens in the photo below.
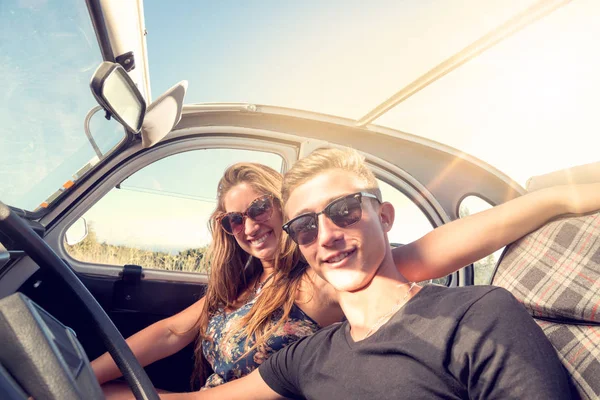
(303, 229)
(233, 223)
(345, 212)
(261, 209)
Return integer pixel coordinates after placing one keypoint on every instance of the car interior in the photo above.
(59, 311)
(554, 272)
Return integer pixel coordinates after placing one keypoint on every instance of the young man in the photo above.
(401, 340)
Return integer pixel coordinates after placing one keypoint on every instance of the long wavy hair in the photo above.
(232, 270)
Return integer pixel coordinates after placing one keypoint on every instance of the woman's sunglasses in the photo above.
(260, 210)
(343, 212)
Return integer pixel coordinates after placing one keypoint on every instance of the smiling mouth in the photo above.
(340, 257)
(260, 240)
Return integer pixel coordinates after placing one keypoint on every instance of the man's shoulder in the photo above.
(328, 332)
(308, 347)
(474, 291)
(467, 296)
(475, 307)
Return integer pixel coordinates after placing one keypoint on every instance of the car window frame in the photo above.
(140, 160)
(416, 192)
(289, 150)
(501, 251)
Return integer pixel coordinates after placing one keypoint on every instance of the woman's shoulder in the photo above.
(318, 299)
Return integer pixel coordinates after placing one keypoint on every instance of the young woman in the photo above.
(258, 288)
(261, 295)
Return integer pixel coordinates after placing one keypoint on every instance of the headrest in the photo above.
(555, 271)
(587, 173)
(163, 114)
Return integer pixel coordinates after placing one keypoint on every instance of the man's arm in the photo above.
(466, 240)
(250, 387)
(274, 376)
(499, 352)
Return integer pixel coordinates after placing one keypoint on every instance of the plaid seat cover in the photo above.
(555, 273)
(578, 348)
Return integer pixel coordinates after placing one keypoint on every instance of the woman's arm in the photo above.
(466, 240)
(155, 342)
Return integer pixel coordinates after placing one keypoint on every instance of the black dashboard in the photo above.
(41, 357)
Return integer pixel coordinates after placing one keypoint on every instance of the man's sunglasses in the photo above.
(260, 210)
(343, 212)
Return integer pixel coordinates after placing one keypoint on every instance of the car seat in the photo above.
(555, 273)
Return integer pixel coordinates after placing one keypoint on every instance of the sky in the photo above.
(48, 54)
(528, 106)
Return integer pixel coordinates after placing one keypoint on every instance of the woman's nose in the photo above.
(250, 226)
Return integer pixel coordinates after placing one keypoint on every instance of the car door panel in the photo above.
(131, 306)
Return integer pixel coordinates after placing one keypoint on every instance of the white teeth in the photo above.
(338, 258)
(260, 240)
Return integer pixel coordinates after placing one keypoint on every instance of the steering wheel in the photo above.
(23, 236)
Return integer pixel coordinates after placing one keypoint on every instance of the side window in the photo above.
(410, 223)
(157, 218)
(484, 268)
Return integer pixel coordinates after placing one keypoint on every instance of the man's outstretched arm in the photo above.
(250, 387)
(466, 240)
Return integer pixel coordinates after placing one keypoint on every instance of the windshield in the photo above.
(48, 54)
(527, 106)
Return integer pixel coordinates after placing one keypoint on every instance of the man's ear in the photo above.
(387, 215)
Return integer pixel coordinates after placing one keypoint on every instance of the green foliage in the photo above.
(91, 250)
(463, 211)
(484, 269)
(190, 260)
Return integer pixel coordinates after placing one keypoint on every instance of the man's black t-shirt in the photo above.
(462, 343)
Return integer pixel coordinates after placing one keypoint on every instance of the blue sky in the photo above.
(514, 106)
(48, 53)
(335, 57)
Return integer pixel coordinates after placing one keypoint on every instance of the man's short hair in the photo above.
(326, 159)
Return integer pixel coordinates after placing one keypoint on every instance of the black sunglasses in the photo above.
(260, 210)
(343, 212)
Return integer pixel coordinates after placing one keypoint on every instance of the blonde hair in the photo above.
(326, 159)
(232, 270)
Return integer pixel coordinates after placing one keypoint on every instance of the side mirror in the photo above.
(76, 232)
(118, 95)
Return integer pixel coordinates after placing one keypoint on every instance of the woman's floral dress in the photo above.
(227, 358)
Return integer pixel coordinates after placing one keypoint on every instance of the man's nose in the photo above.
(329, 232)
